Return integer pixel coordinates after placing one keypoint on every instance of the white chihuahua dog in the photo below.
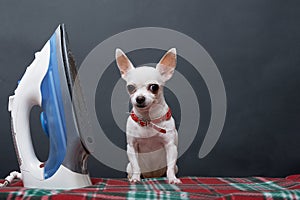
(152, 138)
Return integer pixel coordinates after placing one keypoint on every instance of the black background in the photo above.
(254, 43)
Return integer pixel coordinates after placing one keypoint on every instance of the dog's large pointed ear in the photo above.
(167, 64)
(123, 63)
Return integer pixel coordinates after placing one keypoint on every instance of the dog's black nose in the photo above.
(140, 99)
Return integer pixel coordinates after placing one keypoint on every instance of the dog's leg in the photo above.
(135, 169)
(129, 171)
(171, 151)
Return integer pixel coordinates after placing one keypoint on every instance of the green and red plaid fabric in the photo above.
(191, 188)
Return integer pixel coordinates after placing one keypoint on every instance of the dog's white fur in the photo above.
(150, 152)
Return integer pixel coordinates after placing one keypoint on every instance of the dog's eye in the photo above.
(131, 89)
(153, 88)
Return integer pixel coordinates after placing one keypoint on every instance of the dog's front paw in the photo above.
(135, 178)
(174, 180)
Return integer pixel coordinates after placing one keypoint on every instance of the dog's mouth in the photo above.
(141, 105)
(144, 105)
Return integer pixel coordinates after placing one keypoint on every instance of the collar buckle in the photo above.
(153, 122)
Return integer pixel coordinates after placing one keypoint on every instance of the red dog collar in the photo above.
(152, 123)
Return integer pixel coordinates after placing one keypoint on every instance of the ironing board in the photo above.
(254, 188)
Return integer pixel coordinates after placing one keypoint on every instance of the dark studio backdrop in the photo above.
(254, 43)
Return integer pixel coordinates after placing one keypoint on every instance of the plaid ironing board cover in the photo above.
(254, 188)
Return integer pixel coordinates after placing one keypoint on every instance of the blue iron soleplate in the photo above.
(52, 117)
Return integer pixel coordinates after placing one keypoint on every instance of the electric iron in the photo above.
(49, 82)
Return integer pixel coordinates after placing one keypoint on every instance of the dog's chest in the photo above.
(146, 138)
(146, 145)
